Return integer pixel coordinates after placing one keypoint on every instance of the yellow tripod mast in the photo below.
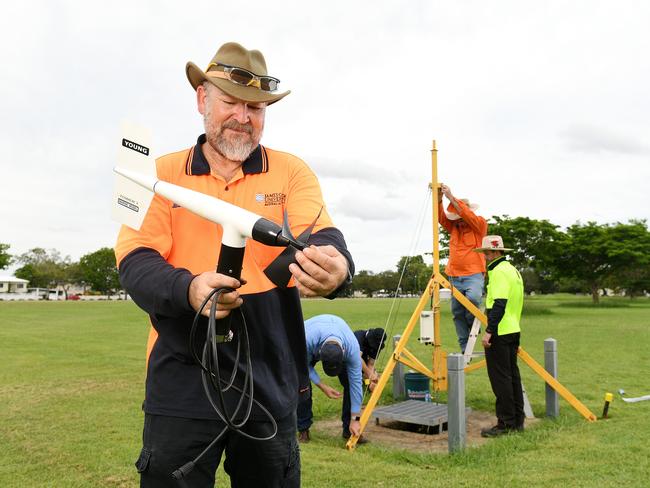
(438, 372)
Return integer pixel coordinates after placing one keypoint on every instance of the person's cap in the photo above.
(451, 210)
(376, 340)
(492, 243)
(231, 68)
(331, 356)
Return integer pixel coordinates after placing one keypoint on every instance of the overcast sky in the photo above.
(539, 109)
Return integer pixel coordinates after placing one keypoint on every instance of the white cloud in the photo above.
(368, 207)
(590, 139)
(355, 170)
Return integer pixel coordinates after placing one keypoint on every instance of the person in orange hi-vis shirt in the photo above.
(465, 268)
(167, 267)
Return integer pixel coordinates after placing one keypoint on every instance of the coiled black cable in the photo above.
(211, 376)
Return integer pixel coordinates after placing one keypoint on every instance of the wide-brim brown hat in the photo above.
(492, 243)
(236, 55)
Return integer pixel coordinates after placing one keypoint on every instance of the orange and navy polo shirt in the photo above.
(158, 262)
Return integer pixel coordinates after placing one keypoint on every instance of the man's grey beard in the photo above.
(238, 148)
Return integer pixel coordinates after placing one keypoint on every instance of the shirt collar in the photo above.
(496, 262)
(197, 164)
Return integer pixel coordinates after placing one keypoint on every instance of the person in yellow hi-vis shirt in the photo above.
(503, 304)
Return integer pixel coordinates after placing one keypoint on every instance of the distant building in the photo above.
(11, 284)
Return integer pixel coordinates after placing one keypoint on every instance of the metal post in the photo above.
(456, 421)
(399, 389)
(550, 365)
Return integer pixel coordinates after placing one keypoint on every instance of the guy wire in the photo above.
(388, 326)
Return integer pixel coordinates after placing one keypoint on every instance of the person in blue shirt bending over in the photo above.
(331, 341)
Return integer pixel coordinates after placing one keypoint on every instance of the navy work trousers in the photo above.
(170, 442)
(501, 359)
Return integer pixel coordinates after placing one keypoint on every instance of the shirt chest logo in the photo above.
(270, 199)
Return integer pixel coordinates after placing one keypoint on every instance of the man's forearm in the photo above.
(366, 370)
(356, 394)
(453, 201)
(314, 377)
(495, 314)
(155, 285)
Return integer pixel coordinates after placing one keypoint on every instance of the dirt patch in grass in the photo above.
(399, 435)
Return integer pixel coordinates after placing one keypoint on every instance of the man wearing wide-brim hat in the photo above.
(503, 305)
(465, 268)
(168, 268)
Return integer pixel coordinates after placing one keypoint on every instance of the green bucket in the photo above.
(417, 386)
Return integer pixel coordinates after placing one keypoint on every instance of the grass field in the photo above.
(71, 386)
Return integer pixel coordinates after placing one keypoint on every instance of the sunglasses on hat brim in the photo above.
(243, 77)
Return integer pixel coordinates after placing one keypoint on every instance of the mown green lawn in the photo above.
(71, 385)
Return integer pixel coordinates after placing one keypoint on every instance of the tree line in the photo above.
(48, 269)
(584, 258)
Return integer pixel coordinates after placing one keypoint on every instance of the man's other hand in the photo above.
(446, 191)
(355, 428)
(486, 340)
(330, 392)
(203, 284)
(324, 269)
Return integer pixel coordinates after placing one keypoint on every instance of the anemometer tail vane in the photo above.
(130, 199)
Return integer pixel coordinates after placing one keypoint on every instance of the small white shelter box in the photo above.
(426, 327)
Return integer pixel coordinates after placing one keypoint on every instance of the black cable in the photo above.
(212, 361)
(211, 376)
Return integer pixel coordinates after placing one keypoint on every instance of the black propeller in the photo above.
(278, 270)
